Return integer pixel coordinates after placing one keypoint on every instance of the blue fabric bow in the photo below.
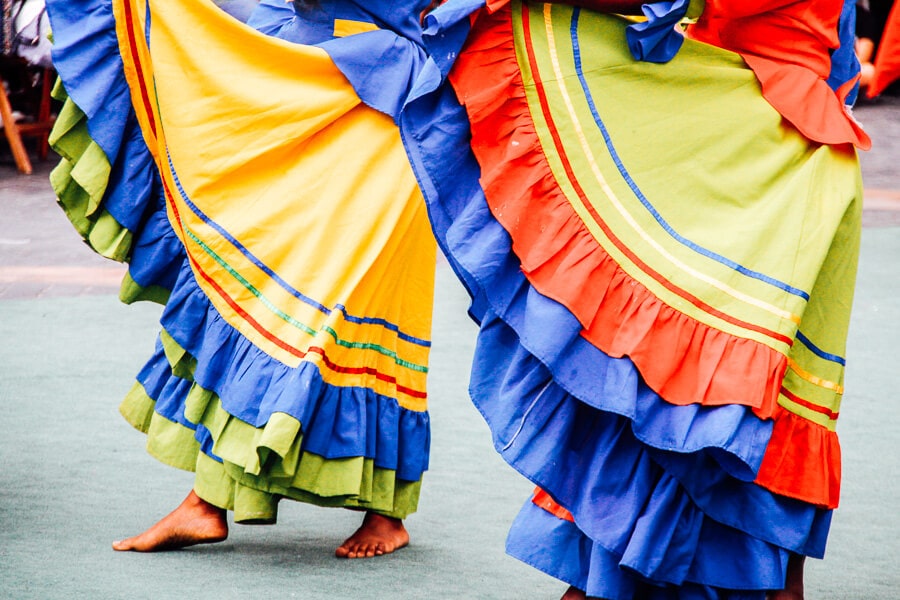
(656, 39)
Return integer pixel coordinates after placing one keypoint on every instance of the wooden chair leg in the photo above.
(20, 155)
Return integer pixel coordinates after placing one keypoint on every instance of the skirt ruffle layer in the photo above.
(557, 547)
(254, 429)
(660, 494)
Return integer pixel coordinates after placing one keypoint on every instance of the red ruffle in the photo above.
(682, 359)
(786, 43)
(802, 460)
(887, 62)
(543, 499)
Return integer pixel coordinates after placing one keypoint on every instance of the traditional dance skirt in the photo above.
(662, 268)
(272, 209)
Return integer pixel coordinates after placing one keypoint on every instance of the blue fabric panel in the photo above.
(168, 391)
(239, 9)
(382, 65)
(844, 64)
(157, 253)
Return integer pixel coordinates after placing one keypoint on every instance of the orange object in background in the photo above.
(887, 61)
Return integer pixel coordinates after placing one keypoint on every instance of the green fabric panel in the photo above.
(137, 408)
(108, 238)
(80, 181)
(197, 405)
(172, 443)
(335, 477)
(59, 90)
(131, 292)
(214, 484)
(183, 364)
(280, 436)
(695, 9)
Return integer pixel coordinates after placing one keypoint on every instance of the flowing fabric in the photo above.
(662, 266)
(274, 212)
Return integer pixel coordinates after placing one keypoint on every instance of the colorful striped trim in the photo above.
(810, 405)
(291, 320)
(585, 200)
(274, 339)
(819, 352)
(643, 199)
(281, 282)
(136, 61)
(150, 117)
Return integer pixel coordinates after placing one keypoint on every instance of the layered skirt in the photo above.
(276, 216)
(662, 269)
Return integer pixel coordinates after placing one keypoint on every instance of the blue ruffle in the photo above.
(558, 548)
(656, 39)
(338, 422)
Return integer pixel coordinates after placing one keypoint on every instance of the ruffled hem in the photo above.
(248, 470)
(209, 387)
(106, 182)
(797, 473)
(80, 182)
(252, 386)
(621, 316)
(585, 425)
(714, 553)
(703, 365)
(596, 452)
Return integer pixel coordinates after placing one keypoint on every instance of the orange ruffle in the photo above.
(682, 359)
(887, 63)
(543, 500)
(787, 43)
(802, 460)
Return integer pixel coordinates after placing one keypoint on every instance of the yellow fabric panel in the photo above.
(346, 27)
(256, 184)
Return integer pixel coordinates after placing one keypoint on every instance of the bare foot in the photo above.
(376, 536)
(195, 521)
(793, 585)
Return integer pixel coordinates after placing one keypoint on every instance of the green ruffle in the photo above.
(260, 465)
(79, 181)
